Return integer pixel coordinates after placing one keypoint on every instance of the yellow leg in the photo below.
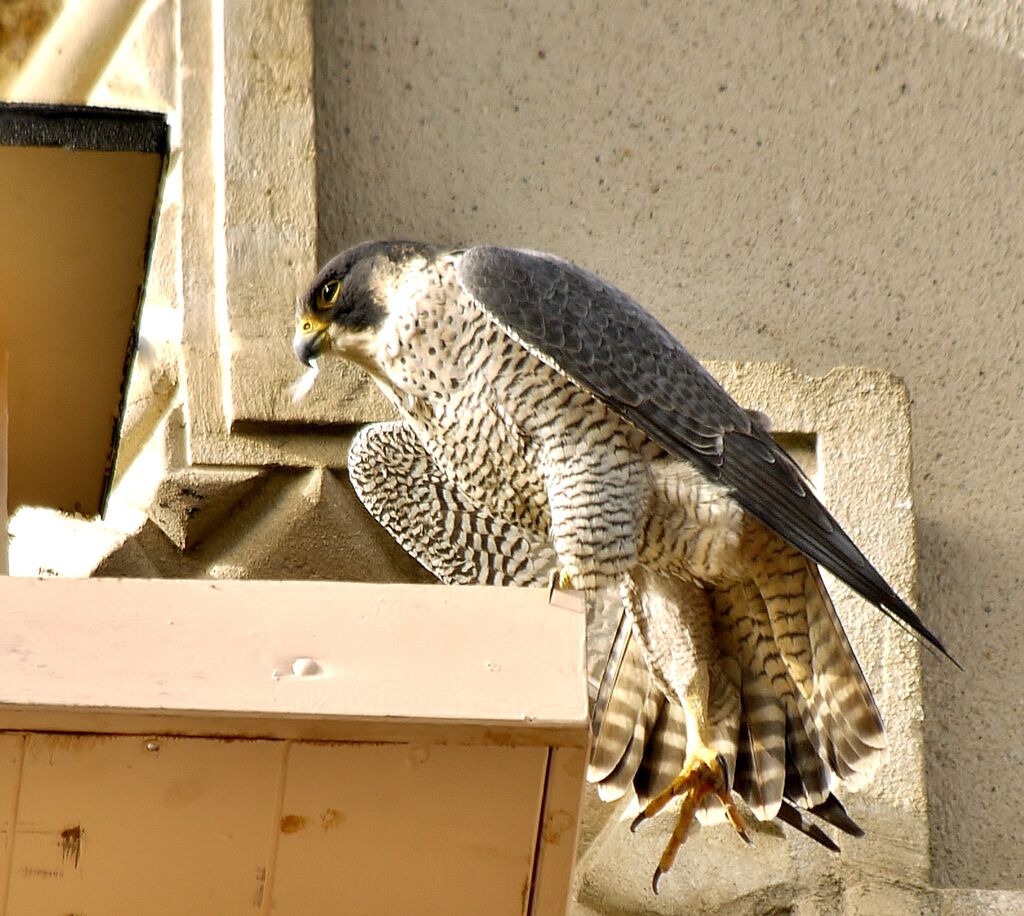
(702, 775)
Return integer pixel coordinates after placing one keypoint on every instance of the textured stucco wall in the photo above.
(817, 183)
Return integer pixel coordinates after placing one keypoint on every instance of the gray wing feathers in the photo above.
(604, 342)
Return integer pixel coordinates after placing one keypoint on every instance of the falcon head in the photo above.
(344, 309)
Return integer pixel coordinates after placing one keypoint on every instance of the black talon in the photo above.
(637, 821)
(658, 874)
(724, 767)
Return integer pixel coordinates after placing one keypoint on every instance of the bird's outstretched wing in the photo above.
(603, 341)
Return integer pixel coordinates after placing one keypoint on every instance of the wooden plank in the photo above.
(559, 831)
(126, 825)
(102, 230)
(408, 829)
(104, 653)
(122, 823)
(12, 750)
(4, 547)
(235, 724)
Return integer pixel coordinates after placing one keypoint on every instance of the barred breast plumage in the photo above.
(508, 434)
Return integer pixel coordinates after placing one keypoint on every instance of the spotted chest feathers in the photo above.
(520, 441)
(441, 359)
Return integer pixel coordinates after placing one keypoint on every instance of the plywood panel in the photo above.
(408, 829)
(109, 825)
(11, 753)
(513, 665)
(556, 854)
(90, 250)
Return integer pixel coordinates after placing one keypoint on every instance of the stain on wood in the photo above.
(331, 819)
(556, 825)
(28, 871)
(71, 844)
(184, 792)
(261, 885)
(292, 823)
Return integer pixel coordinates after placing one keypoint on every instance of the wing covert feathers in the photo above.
(604, 342)
(401, 487)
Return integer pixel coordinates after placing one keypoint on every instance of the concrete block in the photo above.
(191, 502)
(143, 554)
(964, 902)
(714, 869)
(269, 187)
(143, 70)
(144, 461)
(46, 542)
(70, 58)
(310, 525)
(22, 24)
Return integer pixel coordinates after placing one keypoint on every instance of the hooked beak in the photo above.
(308, 345)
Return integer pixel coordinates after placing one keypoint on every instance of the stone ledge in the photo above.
(966, 902)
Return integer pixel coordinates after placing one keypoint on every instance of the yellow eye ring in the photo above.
(329, 293)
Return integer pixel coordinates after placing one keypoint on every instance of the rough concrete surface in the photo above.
(818, 183)
(21, 24)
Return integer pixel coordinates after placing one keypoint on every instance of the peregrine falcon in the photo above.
(552, 430)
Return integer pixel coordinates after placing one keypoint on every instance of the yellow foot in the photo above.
(699, 778)
(560, 579)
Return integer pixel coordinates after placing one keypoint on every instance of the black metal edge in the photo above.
(84, 127)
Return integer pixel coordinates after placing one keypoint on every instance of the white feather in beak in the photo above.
(304, 385)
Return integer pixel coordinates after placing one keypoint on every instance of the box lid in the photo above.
(80, 190)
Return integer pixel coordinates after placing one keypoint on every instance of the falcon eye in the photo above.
(329, 294)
